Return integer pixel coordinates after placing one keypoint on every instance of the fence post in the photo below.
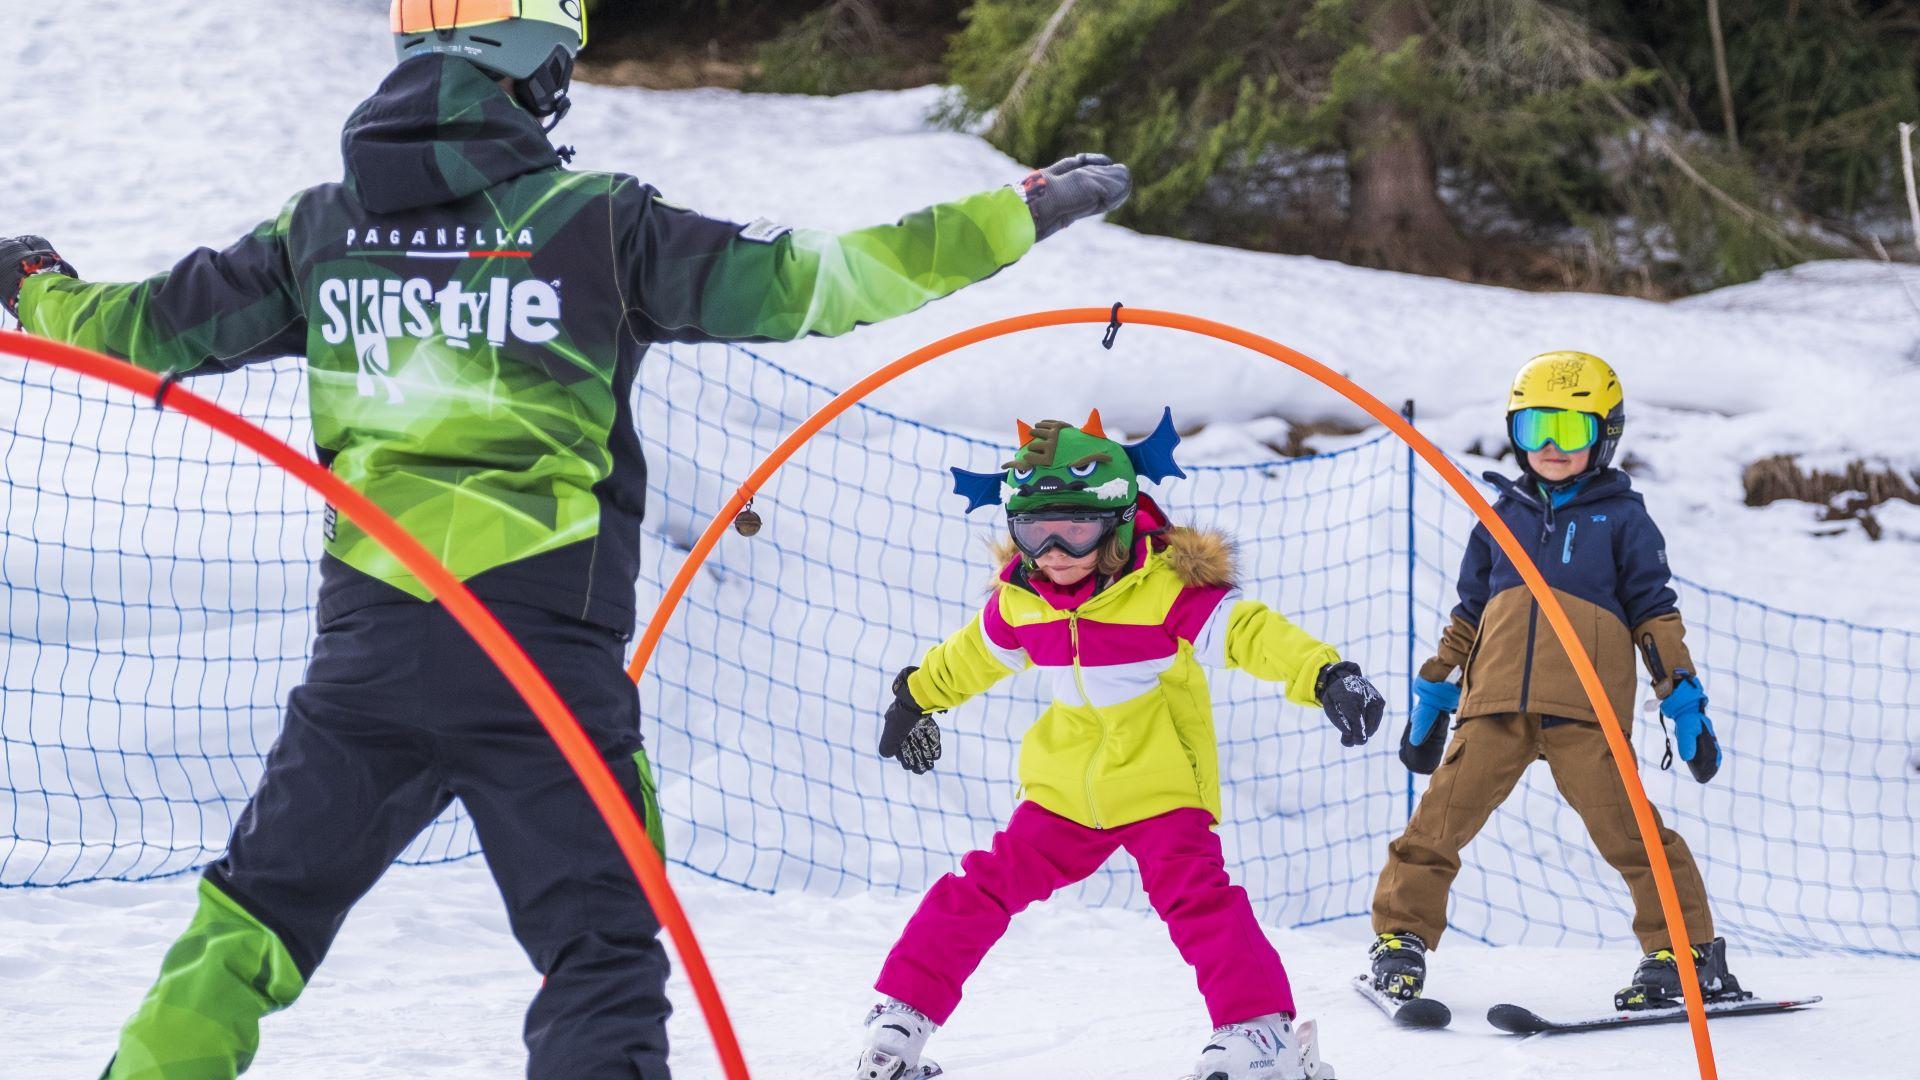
(1412, 471)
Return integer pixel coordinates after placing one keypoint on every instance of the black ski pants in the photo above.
(400, 713)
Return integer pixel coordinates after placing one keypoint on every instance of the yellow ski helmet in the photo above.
(1571, 382)
(532, 42)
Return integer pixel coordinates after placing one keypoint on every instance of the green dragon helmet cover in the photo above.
(1059, 466)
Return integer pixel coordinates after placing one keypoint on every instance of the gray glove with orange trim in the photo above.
(1083, 185)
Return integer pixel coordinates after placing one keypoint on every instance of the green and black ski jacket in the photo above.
(473, 317)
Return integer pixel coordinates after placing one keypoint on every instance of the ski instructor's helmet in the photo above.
(532, 42)
(1562, 396)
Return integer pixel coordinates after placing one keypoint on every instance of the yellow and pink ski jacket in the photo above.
(1130, 733)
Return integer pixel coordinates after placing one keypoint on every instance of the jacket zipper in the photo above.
(1526, 671)
(1533, 606)
(1073, 633)
(1566, 547)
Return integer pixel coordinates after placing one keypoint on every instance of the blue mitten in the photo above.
(1426, 735)
(1686, 706)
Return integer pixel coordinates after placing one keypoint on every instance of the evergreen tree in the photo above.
(1613, 144)
(1571, 128)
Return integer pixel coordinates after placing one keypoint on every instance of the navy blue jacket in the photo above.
(1606, 562)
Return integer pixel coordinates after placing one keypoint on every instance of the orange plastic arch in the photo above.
(1556, 616)
(471, 614)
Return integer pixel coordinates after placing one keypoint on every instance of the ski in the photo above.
(1421, 1013)
(1515, 1020)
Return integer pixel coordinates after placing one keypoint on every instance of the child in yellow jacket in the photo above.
(1124, 611)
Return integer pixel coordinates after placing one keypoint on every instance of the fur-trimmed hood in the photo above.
(1202, 556)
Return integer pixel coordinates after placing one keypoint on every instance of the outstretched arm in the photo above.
(980, 654)
(1254, 638)
(1228, 630)
(702, 279)
(214, 311)
(697, 278)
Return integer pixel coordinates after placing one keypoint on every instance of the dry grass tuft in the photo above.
(1848, 495)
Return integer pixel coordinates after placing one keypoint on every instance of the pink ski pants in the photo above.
(1040, 852)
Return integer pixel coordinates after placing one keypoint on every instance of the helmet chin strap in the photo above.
(545, 92)
(560, 110)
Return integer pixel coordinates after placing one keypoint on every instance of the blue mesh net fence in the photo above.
(158, 585)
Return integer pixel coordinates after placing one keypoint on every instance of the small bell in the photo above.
(746, 522)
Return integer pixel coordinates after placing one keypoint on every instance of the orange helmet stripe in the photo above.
(425, 16)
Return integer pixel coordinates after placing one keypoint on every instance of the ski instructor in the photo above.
(473, 315)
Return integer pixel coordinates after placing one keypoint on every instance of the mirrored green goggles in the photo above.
(1571, 431)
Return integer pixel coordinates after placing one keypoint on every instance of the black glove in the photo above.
(1351, 702)
(909, 733)
(21, 257)
(1072, 188)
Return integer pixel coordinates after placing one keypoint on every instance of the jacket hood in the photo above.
(437, 130)
(1202, 556)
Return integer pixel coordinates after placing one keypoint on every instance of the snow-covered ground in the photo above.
(425, 982)
(159, 125)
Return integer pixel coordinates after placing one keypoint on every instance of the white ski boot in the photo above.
(896, 1033)
(1264, 1048)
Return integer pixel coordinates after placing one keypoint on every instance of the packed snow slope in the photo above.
(143, 128)
(1071, 994)
(159, 125)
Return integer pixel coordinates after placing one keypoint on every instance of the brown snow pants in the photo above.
(1480, 769)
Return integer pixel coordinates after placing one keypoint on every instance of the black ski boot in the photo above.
(1656, 982)
(1399, 965)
